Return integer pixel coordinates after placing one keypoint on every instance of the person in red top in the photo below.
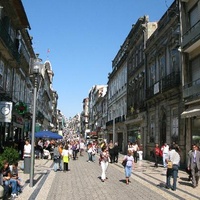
(157, 153)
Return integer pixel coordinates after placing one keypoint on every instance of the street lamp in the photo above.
(35, 70)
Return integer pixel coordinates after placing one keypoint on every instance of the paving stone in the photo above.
(83, 182)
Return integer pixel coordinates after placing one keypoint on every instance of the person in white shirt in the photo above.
(165, 153)
(65, 156)
(135, 152)
(27, 155)
(174, 157)
(82, 147)
(27, 149)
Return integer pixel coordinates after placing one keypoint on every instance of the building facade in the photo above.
(163, 75)
(190, 51)
(16, 84)
(96, 96)
(136, 121)
(116, 98)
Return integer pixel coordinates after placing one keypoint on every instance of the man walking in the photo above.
(174, 157)
(194, 164)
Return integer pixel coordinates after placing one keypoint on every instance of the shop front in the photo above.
(191, 117)
(133, 133)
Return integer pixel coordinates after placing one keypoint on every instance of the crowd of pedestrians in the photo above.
(63, 152)
(170, 155)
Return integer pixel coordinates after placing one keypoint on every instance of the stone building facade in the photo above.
(116, 98)
(136, 121)
(163, 82)
(190, 51)
(16, 85)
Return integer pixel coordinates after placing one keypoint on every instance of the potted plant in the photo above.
(10, 154)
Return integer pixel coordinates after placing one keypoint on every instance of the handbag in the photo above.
(124, 162)
(169, 164)
(55, 157)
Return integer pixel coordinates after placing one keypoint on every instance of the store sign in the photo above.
(5, 111)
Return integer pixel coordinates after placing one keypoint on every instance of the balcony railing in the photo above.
(166, 83)
(191, 90)
(192, 35)
(4, 35)
(24, 52)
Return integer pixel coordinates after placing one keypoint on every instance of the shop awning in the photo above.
(191, 112)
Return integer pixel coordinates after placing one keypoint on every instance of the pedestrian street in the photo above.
(83, 182)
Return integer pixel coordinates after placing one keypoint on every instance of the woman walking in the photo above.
(129, 164)
(65, 156)
(56, 157)
(157, 153)
(103, 161)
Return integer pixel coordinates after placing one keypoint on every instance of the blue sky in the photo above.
(83, 37)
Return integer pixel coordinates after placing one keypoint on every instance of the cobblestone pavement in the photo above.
(83, 182)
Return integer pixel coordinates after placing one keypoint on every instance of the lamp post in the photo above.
(35, 70)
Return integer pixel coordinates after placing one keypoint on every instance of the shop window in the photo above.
(195, 130)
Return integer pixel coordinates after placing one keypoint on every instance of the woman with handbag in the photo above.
(103, 161)
(129, 165)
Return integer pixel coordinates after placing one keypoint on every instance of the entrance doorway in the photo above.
(163, 130)
(120, 141)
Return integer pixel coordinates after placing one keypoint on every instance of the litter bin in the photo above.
(1, 186)
(140, 154)
(1, 192)
(27, 165)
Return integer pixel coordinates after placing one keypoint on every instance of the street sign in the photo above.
(5, 111)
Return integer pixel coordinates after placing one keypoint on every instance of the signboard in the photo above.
(156, 88)
(5, 111)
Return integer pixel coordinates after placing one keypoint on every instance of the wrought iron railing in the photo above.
(166, 83)
(191, 90)
(191, 35)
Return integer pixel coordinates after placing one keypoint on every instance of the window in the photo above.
(195, 69)
(152, 74)
(193, 16)
(8, 80)
(17, 86)
(174, 125)
(152, 130)
(162, 66)
(1, 73)
(22, 90)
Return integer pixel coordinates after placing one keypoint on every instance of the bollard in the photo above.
(1, 192)
(1, 187)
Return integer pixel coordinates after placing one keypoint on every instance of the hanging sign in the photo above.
(5, 111)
